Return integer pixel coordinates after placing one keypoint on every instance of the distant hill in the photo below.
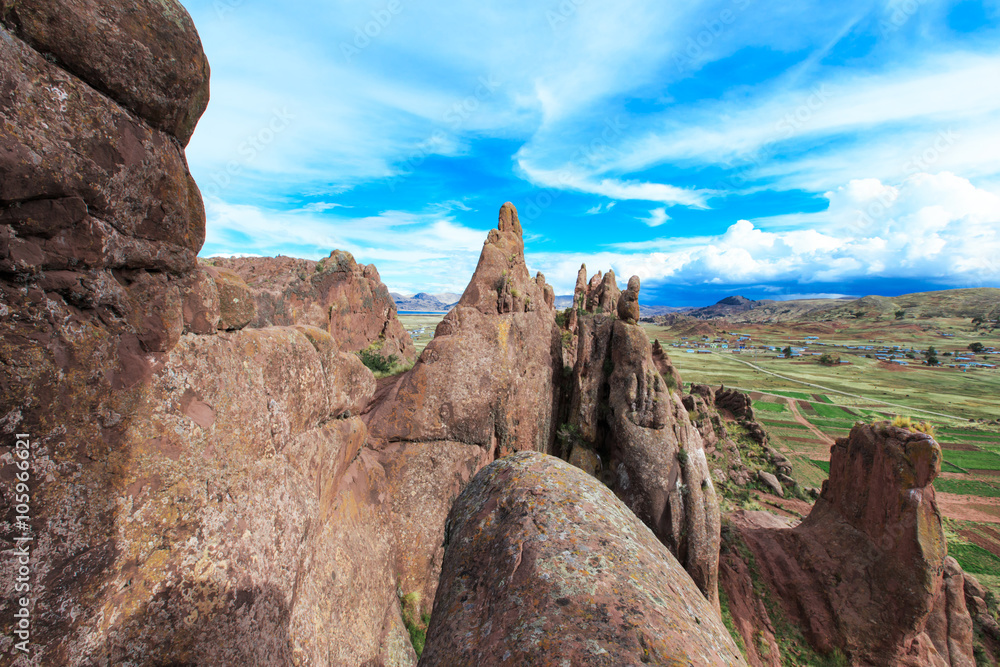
(424, 302)
(981, 302)
(731, 305)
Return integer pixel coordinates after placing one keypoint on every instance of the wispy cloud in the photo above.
(657, 217)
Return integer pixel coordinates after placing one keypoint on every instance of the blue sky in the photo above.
(734, 146)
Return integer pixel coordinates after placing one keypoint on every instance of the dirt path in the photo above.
(805, 422)
(837, 391)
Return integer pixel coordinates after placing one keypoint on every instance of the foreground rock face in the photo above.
(545, 566)
(190, 479)
(336, 294)
(865, 572)
(148, 57)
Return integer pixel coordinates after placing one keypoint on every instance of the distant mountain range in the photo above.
(424, 302)
(981, 302)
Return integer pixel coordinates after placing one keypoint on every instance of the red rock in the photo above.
(201, 307)
(628, 302)
(486, 378)
(148, 57)
(60, 139)
(237, 307)
(336, 294)
(876, 515)
(545, 566)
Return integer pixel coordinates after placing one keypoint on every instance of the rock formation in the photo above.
(190, 478)
(487, 377)
(865, 573)
(624, 416)
(545, 566)
(628, 302)
(337, 294)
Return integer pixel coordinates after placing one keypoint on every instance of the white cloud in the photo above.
(928, 227)
(657, 217)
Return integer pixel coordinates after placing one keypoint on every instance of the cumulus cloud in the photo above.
(930, 227)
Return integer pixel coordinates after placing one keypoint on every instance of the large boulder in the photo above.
(865, 573)
(544, 565)
(337, 294)
(143, 54)
(85, 183)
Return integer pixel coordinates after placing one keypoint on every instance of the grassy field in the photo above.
(787, 407)
(964, 395)
(424, 323)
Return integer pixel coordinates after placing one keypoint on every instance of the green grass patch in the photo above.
(823, 398)
(973, 558)
(968, 487)
(832, 411)
(973, 460)
(792, 394)
(822, 465)
(769, 407)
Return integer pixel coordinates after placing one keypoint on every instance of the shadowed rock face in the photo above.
(638, 438)
(337, 294)
(545, 566)
(865, 571)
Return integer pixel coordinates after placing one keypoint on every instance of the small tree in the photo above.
(931, 356)
(787, 352)
(976, 347)
(900, 314)
(828, 359)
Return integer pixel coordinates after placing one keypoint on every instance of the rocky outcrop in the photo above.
(628, 302)
(190, 479)
(337, 294)
(148, 58)
(544, 565)
(626, 420)
(487, 377)
(865, 573)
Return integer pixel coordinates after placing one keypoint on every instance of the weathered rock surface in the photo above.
(201, 484)
(635, 432)
(628, 302)
(545, 566)
(101, 189)
(144, 54)
(866, 571)
(337, 294)
(487, 377)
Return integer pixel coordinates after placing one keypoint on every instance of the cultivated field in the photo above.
(800, 404)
